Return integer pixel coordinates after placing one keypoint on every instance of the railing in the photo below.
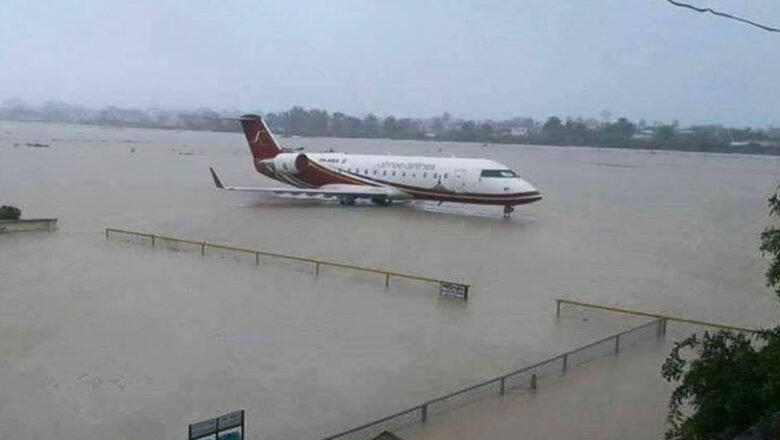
(524, 379)
(561, 301)
(316, 263)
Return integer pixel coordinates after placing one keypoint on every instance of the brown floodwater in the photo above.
(107, 339)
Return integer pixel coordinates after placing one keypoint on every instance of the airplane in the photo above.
(378, 178)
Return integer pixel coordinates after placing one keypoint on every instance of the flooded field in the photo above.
(106, 339)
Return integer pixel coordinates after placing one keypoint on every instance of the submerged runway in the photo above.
(103, 340)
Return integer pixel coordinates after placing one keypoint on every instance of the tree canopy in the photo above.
(770, 245)
(728, 381)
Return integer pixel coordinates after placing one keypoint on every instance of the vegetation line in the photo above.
(298, 121)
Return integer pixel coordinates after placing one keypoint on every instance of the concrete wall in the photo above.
(35, 224)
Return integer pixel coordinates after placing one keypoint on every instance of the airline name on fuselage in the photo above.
(420, 166)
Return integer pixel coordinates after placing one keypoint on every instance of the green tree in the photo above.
(371, 125)
(468, 131)
(390, 127)
(318, 122)
(485, 131)
(728, 381)
(406, 128)
(553, 131)
(353, 126)
(770, 245)
(623, 128)
(553, 126)
(337, 124)
(664, 134)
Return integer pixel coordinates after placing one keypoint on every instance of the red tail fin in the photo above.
(259, 137)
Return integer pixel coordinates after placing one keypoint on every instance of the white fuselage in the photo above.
(459, 175)
(431, 178)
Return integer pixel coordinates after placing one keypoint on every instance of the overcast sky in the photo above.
(475, 59)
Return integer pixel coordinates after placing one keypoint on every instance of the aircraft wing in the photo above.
(344, 191)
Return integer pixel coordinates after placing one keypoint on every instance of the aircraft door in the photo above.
(459, 181)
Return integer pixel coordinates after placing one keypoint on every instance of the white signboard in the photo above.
(454, 290)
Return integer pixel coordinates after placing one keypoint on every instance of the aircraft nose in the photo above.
(526, 187)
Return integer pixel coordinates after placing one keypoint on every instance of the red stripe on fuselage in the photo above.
(314, 176)
(451, 196)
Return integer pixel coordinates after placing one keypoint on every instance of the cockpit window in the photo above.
(498, 173)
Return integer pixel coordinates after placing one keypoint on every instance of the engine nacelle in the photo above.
(288, 163)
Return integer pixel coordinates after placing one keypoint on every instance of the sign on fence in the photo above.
(225, 427)
(453, 290)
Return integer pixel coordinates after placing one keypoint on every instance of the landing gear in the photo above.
(381, 201)
(348, 201)
(508, 210)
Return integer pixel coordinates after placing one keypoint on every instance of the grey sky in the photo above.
(479, 59)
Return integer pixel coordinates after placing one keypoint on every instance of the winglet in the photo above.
(214, 176)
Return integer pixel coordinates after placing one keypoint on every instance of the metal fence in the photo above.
(560, 301)
(446, 287)
(524, 379)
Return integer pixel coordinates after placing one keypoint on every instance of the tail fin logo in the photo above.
(258, 136)
(258, 139)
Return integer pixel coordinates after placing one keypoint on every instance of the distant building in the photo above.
(646, 133)
(518, 131)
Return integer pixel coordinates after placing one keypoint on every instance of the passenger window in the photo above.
(394, 173)
(384, 173)
(435, 175)
(445, 175)
(425, 175)
(375, 172)
(404, 174)
(414, 174)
